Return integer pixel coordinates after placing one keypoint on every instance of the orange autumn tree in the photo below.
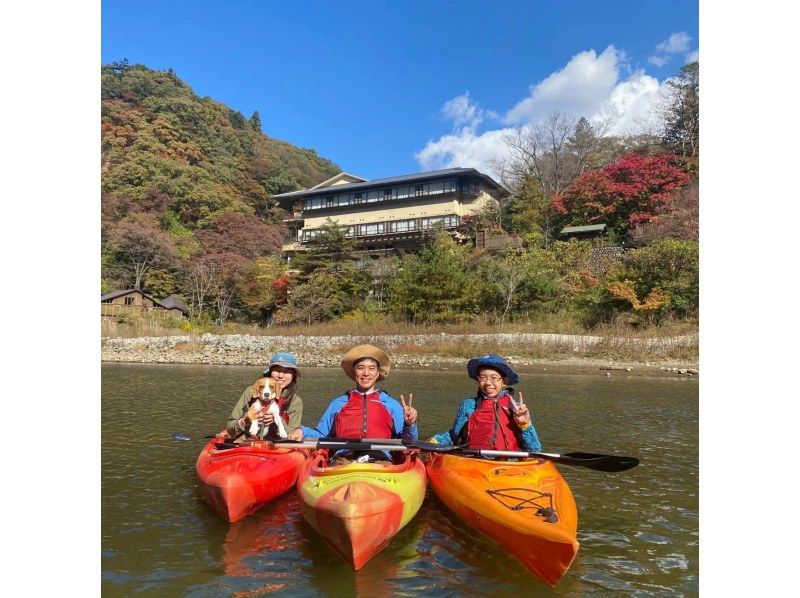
(655, 299)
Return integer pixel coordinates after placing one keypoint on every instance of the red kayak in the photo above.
(239, 481)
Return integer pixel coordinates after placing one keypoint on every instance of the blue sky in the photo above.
(384, 88)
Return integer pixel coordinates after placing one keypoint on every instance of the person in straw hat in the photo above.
(365, 411)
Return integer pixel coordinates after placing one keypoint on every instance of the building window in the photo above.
(128, 300)
(359, 198)
(387, 194)
(329, 202)
(372, 229)
(470, 186)
(443, 221)
(418, 190)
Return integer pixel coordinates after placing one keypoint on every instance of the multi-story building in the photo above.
(388, 214)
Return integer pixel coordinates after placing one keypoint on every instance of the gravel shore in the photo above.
(405, 350)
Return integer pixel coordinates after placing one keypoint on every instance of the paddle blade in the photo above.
(609, 463)
(436, 448)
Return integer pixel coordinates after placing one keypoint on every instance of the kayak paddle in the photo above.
(598, 462)
(336, 444)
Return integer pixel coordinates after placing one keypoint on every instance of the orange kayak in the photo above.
(239, 481)
(358, 508)
(524, 506)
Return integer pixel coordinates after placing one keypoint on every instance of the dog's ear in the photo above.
(258, 387)
(276, 389)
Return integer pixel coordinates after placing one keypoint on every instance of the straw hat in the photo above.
(361, 351)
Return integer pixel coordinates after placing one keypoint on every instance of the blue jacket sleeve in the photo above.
(325, 425)
(462, 415)
(530, 440)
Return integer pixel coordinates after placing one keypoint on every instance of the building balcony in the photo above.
(410, 227)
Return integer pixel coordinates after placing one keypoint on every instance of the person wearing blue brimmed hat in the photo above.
(283, 369)
(492, 419)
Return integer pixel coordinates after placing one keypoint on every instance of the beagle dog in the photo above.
(265, 400)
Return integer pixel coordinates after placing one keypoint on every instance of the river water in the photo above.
(638, 529)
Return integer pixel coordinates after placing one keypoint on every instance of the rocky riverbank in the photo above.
(606, 355)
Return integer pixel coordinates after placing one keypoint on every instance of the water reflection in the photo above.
(638, 529)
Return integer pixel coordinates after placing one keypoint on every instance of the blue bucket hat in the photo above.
(282, 359)
(492, 361)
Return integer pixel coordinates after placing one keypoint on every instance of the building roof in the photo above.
(589, 228)
(343, 178)
(408, 178)
(170, 302)
(174, 302)
(115, 294)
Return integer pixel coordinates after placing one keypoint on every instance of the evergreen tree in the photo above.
(680, 112)
(329, 247)
(255, 121)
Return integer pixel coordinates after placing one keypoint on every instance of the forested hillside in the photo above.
(187, 183)
(187, 209)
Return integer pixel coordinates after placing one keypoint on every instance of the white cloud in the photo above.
(578, 88)
(692, 56)
(598, 87)
(630, 103)
(675, 43)
(464, 148)
(658, 60)
(463, 112)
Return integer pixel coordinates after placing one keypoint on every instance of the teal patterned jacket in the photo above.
(528, 439)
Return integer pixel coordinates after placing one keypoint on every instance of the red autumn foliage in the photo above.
(281, 286)
(624, 194)
(243, 235)
(681, 221)
(282, 282)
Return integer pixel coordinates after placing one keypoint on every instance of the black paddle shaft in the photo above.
(595, 461)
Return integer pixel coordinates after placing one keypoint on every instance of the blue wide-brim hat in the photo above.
(284, 359)
(492, 361)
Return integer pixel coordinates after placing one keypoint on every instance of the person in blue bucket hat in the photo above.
(283, 369)
(492, 419)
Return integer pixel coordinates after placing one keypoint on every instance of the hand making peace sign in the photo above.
(409, 413)
(521, 414)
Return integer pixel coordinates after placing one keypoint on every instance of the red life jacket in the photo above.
(282, 405)
(491, 426)
(361, 418)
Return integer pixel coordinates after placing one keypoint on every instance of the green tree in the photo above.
(329, 246)
(518, 282)
(329, 292)
(531, 214)
(435, 285)
(679, 112)
(660, 280)
(161, 283)
(255, 121)
(257, 288)
(543, 160)
(237, 119)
